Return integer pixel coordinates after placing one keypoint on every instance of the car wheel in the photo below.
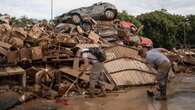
(76, 19)
(110, 14)
(86, 26)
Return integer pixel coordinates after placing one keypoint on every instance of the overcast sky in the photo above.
(41, 8)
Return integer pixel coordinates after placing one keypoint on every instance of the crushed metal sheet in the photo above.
(127, 72)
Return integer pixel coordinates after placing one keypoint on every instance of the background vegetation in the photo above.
(165, 29)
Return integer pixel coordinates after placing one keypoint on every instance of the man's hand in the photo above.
(85, 68)
(156, 80)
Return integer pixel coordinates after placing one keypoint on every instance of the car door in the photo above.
(97, 10)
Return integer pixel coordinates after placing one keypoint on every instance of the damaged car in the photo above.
(101, 10)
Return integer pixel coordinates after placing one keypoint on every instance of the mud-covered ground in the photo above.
(181, 96)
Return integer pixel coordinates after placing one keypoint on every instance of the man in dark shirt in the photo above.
(97, 73)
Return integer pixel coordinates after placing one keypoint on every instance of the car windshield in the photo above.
(99, 3)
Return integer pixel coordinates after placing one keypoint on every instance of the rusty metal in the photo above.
(25, 54)
(13, 57)
(105, 25)
(5, 45)
(37, 53)
(3, 51)
(107, 32)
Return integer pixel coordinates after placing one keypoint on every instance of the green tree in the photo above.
(161, 27)
(23, 21)
(190, 30)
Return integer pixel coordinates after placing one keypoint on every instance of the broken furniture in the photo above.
(10, 71)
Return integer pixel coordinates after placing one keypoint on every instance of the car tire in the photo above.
(110, 14)
(76, 19)
(86, 26)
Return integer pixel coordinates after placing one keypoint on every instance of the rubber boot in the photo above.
(91, 94)
(162, 94)
(150, 93)
(92, 89)
(103, 93)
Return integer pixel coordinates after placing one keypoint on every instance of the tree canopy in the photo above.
(23, 21)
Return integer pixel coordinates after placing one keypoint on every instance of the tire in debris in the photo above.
(86, 26)
(110, 14)
(76, 18)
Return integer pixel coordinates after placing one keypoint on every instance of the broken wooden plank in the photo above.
(9, 71)
(5, 45)
(3, 51)
(75, 73)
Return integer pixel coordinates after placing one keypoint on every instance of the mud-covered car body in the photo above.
(96, 11)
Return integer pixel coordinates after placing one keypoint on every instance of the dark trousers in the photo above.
(96, 77)
(162, 76)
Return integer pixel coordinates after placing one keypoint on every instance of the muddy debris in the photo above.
(42, 60)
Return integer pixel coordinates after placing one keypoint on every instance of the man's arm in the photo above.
(162, 49)
(86, 61)
(154, 71)
(151, 66)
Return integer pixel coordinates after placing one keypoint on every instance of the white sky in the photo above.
(41, 8)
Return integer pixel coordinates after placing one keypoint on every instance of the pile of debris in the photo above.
(183, 60)
(42, 55)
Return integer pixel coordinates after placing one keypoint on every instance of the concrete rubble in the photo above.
(42, 55)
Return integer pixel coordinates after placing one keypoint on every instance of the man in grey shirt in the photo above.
(161, 63)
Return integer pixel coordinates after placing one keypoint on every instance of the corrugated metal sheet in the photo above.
(127, 78)
(86, 45)
(124, 63)
(127, 72)
(120, 51)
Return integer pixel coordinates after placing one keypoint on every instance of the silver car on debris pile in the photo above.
(97, 11)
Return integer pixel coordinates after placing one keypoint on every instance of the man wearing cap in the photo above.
(161, 63)
(97, 76)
